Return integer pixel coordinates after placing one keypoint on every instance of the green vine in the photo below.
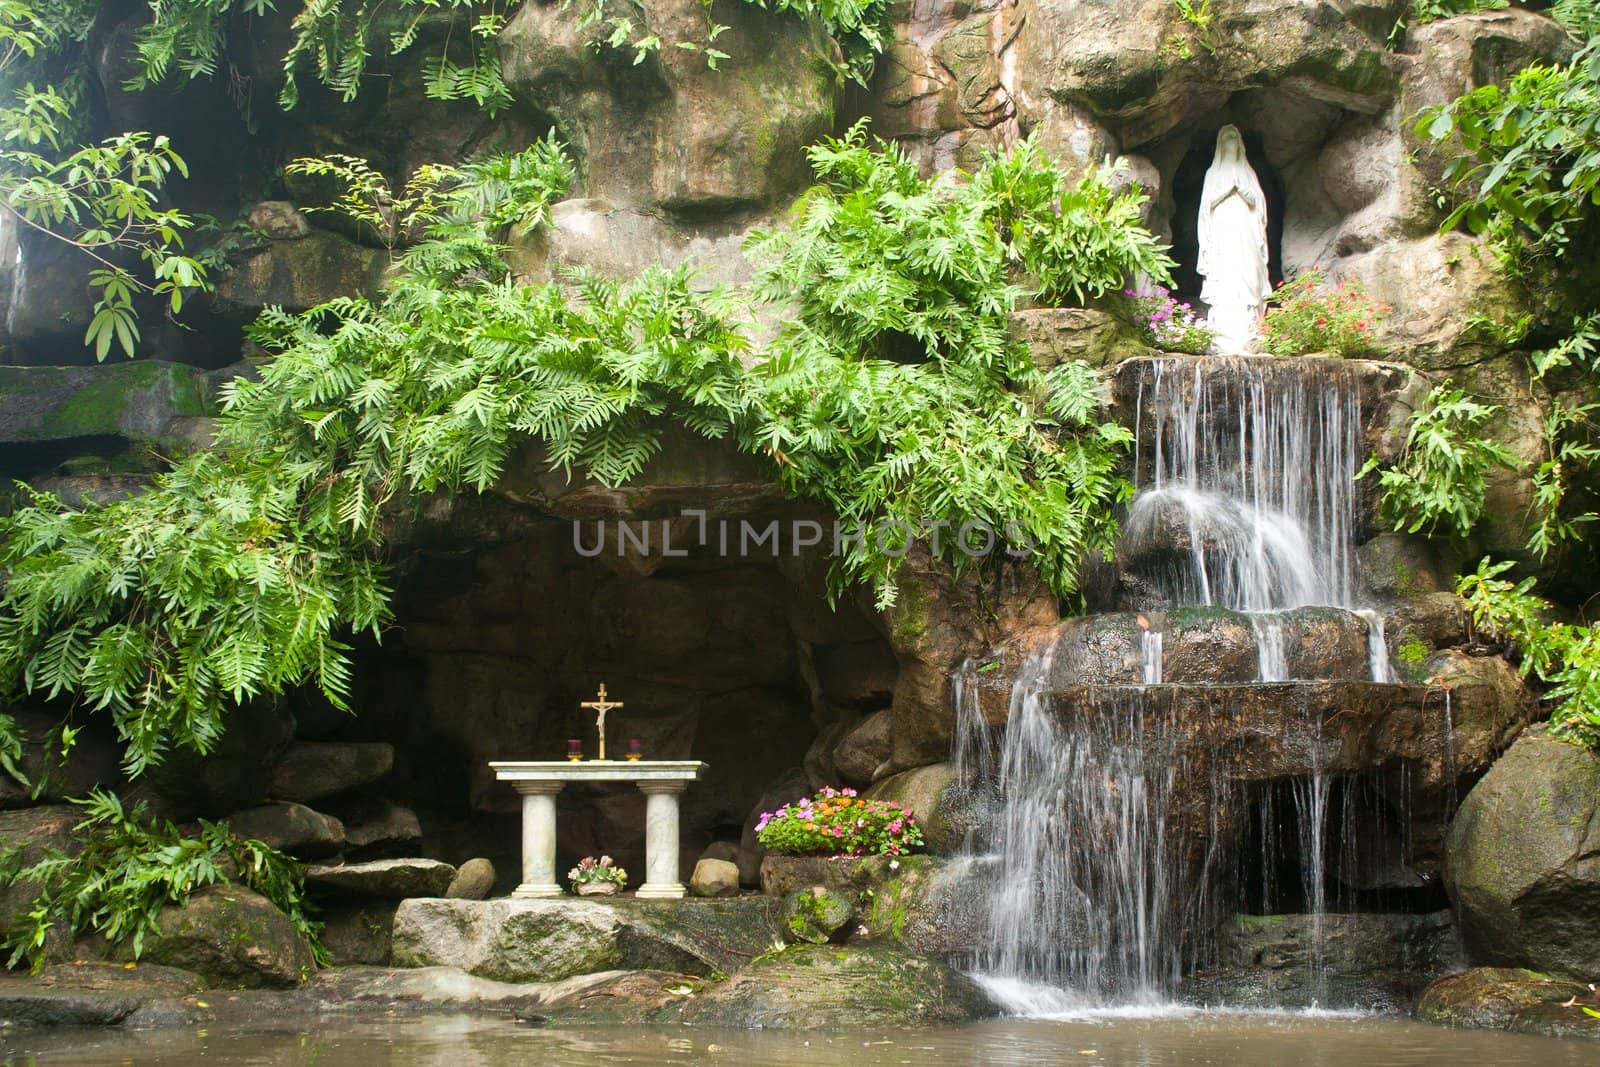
(242, 571)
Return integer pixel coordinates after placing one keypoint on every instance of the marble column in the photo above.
(538, 839)
(661, 839)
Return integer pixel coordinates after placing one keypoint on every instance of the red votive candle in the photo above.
(574, 749)
(635, 749)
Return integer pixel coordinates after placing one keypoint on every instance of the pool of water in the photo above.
(1230, 1039)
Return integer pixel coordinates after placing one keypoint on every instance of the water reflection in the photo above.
(1234, 1039)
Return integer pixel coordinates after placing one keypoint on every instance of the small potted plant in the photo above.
(597, 877)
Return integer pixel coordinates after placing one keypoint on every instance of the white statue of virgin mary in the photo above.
(1233, 245)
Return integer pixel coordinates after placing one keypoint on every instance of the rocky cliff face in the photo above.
(504, 626)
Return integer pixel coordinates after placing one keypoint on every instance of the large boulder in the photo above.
(1523, 866)
(621, 241)
(1141, 68)
(933, 904)
(312, 770)
(936, 624)
(231, 936)
(143, 400)
(1507, 998)
(667, 131)
(524, 940)
(865, 747)
(291, 828)
(829, 987)
(295, 271)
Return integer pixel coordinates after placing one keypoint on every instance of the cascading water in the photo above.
(1087, 902)
(1247, 501)
(1247, 497)
(1150, 642)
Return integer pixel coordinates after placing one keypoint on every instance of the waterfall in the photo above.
(1246, 500)
(1377, 647)
(1270, 652)
(1085, 897)
(1254, 461)
(1150, 656)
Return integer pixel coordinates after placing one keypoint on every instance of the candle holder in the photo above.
(635, 750)
(575, 749)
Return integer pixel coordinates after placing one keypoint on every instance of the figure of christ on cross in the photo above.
(600, 705)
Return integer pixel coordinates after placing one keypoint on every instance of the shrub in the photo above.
(1305, 317)
(1169, 325)
(591, 871)
(836, 822)
(1441, 474)
(131, 867)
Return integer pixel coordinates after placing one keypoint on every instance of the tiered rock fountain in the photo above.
(1208, 749)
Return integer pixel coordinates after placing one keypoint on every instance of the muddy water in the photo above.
(1227, 1039)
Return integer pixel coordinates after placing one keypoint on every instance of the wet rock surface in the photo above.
(519, 940)
(1508, 998)
(834, 987)
(1375, 962)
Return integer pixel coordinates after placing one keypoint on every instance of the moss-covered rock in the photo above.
(231, 937)
(933, 904)
(519, 940)
(816, 915)
(1504, 998)
(297, 274)
(1078, 335)
(828, 987)
(1523, 862)
(134, 399)
(668, 131)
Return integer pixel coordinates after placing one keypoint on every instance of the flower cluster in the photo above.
(837, 822)
(603, 869)
(1169, 325)
(1306, 317)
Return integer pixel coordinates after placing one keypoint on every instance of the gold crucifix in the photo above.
(600, 705)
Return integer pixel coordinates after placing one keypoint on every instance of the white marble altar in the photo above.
(661, 781)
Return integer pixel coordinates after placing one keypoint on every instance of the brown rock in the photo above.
(866, 748)
(311, 770)
(291, 828)
(279, 220)
(390, 879)
(714, 878)
(474, 880)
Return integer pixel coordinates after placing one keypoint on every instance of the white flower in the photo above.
(894, 865)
